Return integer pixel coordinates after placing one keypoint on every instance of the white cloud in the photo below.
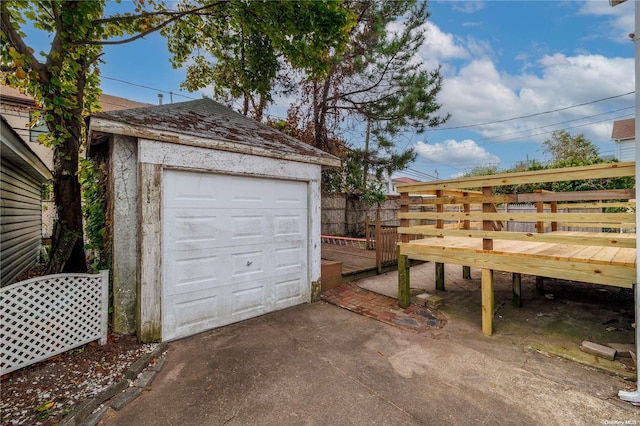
(466, 6)
(440, 46)
(465, 153)
(620, 18)
(479, 93)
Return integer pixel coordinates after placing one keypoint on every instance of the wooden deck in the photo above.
(613, 266)
(558, 247)
(354, 260)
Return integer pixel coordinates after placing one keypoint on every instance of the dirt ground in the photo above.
(44, 393)
(555, 321)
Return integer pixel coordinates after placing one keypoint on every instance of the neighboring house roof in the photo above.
(107, 102)
(404, 180)
(624, 129)
(206, 123)
(15, 149)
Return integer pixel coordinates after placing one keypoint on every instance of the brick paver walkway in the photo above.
(383, 308)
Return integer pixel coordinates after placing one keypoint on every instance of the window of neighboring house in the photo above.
(37, 130)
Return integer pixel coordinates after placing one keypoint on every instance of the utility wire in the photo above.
(532, 115)
(147, 87)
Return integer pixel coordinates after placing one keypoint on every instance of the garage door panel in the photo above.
(286, 225)
(248, 264)
(238, 257)
(192, 271)
(288, 292)
(201, 191)
(184, 232)
(249, 300)
(288, 258)
(190, 313)
(248, 227)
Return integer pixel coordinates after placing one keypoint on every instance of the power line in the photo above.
(561, 122)
(147, 87)
(532, 115)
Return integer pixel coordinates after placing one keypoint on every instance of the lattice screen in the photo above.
(45, 316)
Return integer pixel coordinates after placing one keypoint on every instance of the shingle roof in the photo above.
(209, 122)
(624, 129)
(107, 102)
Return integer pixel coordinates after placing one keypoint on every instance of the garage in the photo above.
(223, 224)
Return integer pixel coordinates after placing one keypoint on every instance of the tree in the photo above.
(65, 80)
(377, 81)
(244, 49)
(570, 150)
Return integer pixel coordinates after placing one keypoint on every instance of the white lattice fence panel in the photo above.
(45, 316)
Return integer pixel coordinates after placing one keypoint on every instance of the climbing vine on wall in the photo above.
(93, 178)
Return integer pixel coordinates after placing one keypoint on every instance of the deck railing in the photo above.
(462, 221)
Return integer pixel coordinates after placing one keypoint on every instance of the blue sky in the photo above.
(500, 60)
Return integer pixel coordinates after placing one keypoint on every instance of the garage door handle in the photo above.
(249, 263)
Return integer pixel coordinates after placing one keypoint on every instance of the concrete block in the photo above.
(434, 302)
(120, 401)
(598, 350)
(145, 379)
(422, 298)
(622, 349)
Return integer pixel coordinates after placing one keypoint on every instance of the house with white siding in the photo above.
(22, 174)
(624, 136)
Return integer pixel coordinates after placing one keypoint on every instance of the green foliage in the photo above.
(244, 45)
(570, 150)
(351, 180)
(375, 82)
(92, 177)
(482, 171)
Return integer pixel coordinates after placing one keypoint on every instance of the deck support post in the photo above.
(466, 224)
(516, 299)
(439, 276)
(540, 284)
(404, 285)
(466, 272)
(487, 302)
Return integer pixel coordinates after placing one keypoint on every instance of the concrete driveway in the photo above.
(321, 365)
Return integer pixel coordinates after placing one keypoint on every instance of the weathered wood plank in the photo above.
(150, 283)
(523, 217)
(559, 237)
(618, 274)
(404, 285)
(516, 282)
(487, 301)
(604, 170)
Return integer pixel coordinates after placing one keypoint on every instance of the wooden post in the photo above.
(554, 209)
(404, 289)
(540, 224)
(439, 225)
(487, 302)
(367, 233)
(380, 242)
(404, 208)
(540, 229)
(466, 270)
(487, 225)
(516, 299)
(440, 276)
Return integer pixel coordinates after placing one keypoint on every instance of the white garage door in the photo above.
(233, 248)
